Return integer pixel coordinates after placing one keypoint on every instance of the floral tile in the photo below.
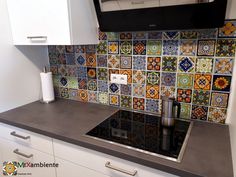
(219, 99)
(140, 35)
(201, 97)
(168, 79)
(102, 47)
(102, 86)
(92, 85)
(188, 47)
(72, 70)
(139, 77)
(126, 62)
(70, 59)
(61, 59)
(154, 47)
(90, 49)
(217, 115)
(114, 100)
(202, 81)
(154, 35)
(82, 83)
(63, 82)
(154, 63)
(102, 60)
(114, 88)
(225, 48)
(64, 92)
(102, 74)
(139, 47)
(170, 47)
(79, 49)
(184, 80)
(228, 30)
(204, 65)
(126, 89)
(188, 34)
(126, 101)
(168, 91)
(82, 72)
(102, 35)
(169, 64)
(72, 82)
(113, 47)
(124, 36)
(126, 47)
(62, 70)
(152, 105)
(153, 78)
(73, 94)
(53, 60)
(91, 60)
(139, 62)
(138, 103)
(221, 83)
(80, 59)
(139, 90)
(171, 35)
(185, 111)
(113, 61)
(224, 65)
(83, 95)
(60, 49)
(127, 72)
(92, 97)
(186, 64)
(207, 33)
(69, 49)
(184, 95)
(91, 72)
(103, 98)
(206, 48)
(112, 36)
(152, 91)
(54, 70)
(199, 112)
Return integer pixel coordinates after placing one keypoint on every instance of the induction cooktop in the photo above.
(144, 133)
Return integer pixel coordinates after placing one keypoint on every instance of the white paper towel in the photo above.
(47, 87)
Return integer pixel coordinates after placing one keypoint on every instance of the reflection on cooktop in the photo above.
(143, 132)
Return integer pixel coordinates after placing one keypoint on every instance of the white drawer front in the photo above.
(96, 160)
(26, 138)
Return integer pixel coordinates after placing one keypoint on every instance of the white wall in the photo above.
(19, 67)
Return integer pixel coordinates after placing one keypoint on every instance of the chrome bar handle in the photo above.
(37, 37)
(20, 136)
(108, 165)
(16, 151)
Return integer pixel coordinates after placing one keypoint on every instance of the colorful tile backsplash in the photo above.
(194, 66)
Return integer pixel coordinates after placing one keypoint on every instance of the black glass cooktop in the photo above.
(144, 133)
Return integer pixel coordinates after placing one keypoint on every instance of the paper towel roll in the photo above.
(47, 87)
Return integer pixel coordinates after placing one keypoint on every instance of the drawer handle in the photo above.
(108, 165)
(16, 151)
(20, 136)
(137, 3)
(37, 37)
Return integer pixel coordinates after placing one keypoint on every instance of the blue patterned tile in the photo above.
(171, 35)
(152, 105)
(70, 59)
(154, 35)
(139, 62)
(170, 47)
(114, 88)
(125, 89)
(102, 86)
(63, 82)
(82, 72)
(80, 59)
(168, 79)
(102, 60)
(92, 85)
(186, 64)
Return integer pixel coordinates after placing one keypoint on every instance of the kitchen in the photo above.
(117, 88)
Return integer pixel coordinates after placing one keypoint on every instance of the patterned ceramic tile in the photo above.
(204, 65)
(202, 81)
(186, 64)
(171, 35)
(113, 61)
(139, 62)
(217, 115)
(73, 94)
(188, 47)
(140, 35)
(138, 103)
(126, 47)
(127, 72)
(185, 111)
(184, 80)
(72, 70)
(139, 47)
(91, 72)
(63, 82)
(80, 59)
(60, 49)
(113, 71)
(126, 101)
(139, 90)
(153, 78)
(168, 91)
(53, 60)
(114, 100)
(139, 77)
(154, 63)
(55, 80)
(64, 92)
(126, 89)
(152, 91)
(154, 35)
(225, 48)
(221, 83)
(102, 60)
(154, 47)
(82, 83)
(126, 62)
(82, 72)
(92, 84)
(79, 49)
(206, 47)
(102, 74)
(170, 47)
(228, 30)
(199, 112)
(102, 35)
(152, 105)
(62, 70)
(72, 82)
(125, 35)
(224, 65)
(188, 34)
(219, 99)
(169, 64)
(69, 49)
(103, 98)
(91, 60)
(184, 95)
(54, 70)
(92, 97)
(70, 59)
(102, 47)
(113, 47)
(56, 91)
(168, 79)
(112, 36)
(201, 97)
(90, 49)
(83, 95)
(102, 86)
(61, 59)
(114, 88)
(207, 33)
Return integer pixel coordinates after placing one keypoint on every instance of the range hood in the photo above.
(142, 15)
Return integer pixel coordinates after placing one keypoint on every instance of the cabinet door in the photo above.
(67, 168)
(13, 152)
(41, 22)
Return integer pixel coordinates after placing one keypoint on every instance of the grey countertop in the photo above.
(207, 153)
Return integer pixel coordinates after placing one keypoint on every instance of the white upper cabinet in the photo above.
(53, 22)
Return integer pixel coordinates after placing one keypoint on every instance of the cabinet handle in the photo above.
(20, 136)
(137, 3)
(37, 37)
(16, 151)
(108, 165)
